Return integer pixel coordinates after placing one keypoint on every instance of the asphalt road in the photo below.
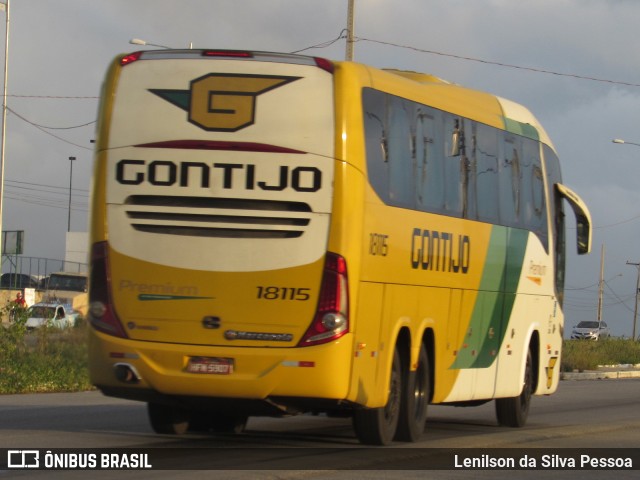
(582, 415)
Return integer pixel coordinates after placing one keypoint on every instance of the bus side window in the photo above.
(532, 196)
(376, 139)
(429, 164)
(469, 174)
(487, 171)
(401, 158)
(509, 181)
(454, 181)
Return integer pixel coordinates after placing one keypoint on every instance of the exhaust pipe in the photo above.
(126, 373)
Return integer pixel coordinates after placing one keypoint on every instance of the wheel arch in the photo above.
(403, 344)
(534, 346)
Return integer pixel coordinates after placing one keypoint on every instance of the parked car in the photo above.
(52, 314)
(18, 281)
(591, 330)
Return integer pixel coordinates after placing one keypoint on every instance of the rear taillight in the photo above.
(132, 57)
(101, 312)
(324, 64)
(331, 320)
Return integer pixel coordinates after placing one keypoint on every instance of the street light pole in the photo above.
(635, 310)
(637, 265)
(71, 160)
(5, 7)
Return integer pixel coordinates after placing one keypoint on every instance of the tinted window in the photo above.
(485, 162)
(426, 159)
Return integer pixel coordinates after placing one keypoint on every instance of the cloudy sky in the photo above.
(59, 50)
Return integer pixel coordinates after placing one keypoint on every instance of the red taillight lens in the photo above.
(227, 53)
(101, 312)
(324, 64)
(332, 315)
(132, 57)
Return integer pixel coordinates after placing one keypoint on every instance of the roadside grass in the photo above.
(53, 360)
(44, 360)
(580, 355)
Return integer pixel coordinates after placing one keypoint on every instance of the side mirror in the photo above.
(583, 218)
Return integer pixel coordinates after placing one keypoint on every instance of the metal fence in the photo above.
(19, 271)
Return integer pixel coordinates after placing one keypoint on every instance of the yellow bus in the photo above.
(276, 234)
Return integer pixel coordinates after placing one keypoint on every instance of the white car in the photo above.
(591, 330)
(52, 314)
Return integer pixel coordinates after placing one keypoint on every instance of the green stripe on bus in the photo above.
(147, 297)
(495, 299)
(520, 128)
(516, 247)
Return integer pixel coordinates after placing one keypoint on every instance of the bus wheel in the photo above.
(218, 423)
(415, 400)
(513, 412)
(377, 426)
(166, 419)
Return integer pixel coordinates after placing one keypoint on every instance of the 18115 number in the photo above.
(284, 293)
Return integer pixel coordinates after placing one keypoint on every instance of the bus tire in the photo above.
(167, 419)
(377, 426)
(513, 412)
(415, 401)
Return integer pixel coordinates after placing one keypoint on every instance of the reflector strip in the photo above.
(220, 145)
(294, 363)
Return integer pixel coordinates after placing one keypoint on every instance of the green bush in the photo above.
(44, 360)
(583, 355)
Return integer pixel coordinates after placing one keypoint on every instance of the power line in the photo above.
(65, 194)
(46, 201)
(499, 64)
(66, 189)
(72, 97)
(58, 128)
(42, 129)
(621, 222)
(328, 43)
(470, 59)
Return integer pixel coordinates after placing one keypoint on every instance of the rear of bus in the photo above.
(211, 284)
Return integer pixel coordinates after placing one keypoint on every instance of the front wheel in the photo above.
(513, 412)
(377, 426)
(415, 400)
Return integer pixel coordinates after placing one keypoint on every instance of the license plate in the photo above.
(210, 365)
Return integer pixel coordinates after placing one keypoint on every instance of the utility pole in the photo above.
(349, 52)
(601, 285)
(71, 159)
(635, 310)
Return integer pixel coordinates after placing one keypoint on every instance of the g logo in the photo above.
(223, 102)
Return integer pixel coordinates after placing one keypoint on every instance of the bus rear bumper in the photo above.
(263, 378)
